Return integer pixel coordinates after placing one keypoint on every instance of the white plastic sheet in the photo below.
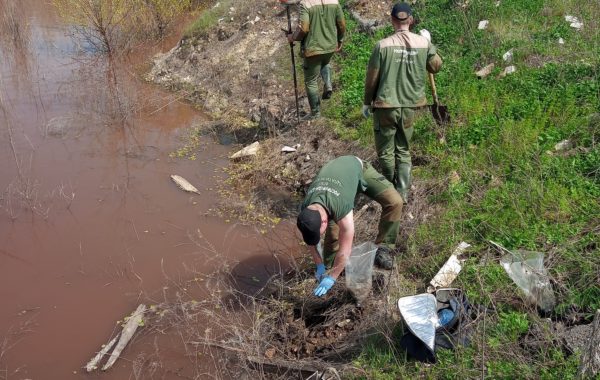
(527, 270)
(420, 314)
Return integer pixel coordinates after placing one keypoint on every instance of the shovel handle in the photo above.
(433, 88)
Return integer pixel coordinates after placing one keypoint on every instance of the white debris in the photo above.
(288, 149)
(256, 19)
(498, 3)
(508, 56)
(307, 158)
(577, 25)
(561, 41)
(184, 184)
(569, 18)
(250, 150)
(563, 145)
(483, 24)
(484, 72)
(508, 70)
(450, 270)
(232, 9)
(217, 4)
(574, 22)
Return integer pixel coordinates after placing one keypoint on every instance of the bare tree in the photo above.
(111, 24)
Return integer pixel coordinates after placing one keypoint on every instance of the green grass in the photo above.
(207, 19)
(514, 188)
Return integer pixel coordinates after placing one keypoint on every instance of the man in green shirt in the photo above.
(327, 208)
(395, 90)
(321, 29)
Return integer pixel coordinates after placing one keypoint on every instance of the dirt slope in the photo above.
(234, 69)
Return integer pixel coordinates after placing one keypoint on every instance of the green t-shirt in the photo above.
(324, 24)
(336, 186)
(397, 71)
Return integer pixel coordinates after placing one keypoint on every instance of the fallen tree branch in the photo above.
(123, 337)
(282, 364)
(130, 327)
(219, 345)
(93, 364)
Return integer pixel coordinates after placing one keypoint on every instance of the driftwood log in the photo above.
(590, 358)
(130, 327)
(123, 337)
(93, 364)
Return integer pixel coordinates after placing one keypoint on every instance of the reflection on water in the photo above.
(14, 35)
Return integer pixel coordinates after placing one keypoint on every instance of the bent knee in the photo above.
(391, 203)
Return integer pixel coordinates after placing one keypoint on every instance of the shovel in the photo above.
(439, 112)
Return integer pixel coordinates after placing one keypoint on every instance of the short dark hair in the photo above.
(309, 223)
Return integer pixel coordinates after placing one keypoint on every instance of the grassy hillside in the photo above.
(509, 183)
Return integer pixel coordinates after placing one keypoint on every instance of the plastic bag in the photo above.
(359, 270)
(527, 270)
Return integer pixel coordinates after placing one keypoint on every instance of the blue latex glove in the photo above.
(326, 284)
(366, 111)
(320, 272)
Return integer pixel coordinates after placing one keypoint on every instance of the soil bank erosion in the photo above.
(91, 224)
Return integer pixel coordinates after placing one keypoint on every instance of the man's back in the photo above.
(324, 22)
(399, 62)
(336, 186)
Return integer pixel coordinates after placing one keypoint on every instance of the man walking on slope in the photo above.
(394, 91)
(321, 29)
(327, 209)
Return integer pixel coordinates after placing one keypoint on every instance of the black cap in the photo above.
(309, 223)
(401, 11)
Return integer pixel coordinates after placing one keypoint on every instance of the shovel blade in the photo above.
(440, 114)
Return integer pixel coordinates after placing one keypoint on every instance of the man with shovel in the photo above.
(327, 209)
(321, 29)
(394, 92)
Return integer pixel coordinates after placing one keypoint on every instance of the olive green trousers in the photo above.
(315, 66)
(393, 129)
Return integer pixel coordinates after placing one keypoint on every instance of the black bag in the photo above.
(456, 332)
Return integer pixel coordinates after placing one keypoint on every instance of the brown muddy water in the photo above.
(90, 223)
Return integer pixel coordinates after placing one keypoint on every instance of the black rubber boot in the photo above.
(311, 116)
(383, 258)
(327, 88)
(403, 180)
